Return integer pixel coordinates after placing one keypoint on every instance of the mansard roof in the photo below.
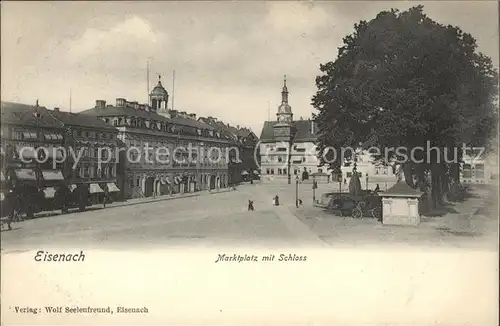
(114, 111)
(80, 120)
(304, 132)
(28, 115)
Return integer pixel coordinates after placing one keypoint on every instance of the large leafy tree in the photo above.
(410, 82)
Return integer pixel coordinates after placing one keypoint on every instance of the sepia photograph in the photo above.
(249, 162)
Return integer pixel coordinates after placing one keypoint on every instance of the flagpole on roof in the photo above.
(147, 80)
(269, 111)
(173, 89)
(70, 100)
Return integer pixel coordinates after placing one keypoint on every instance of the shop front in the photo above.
(96, 194)
(113, 191)
(54, 189)
(26, 190)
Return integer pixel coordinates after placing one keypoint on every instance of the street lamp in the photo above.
(339, 179)
(290, 143)
(367, 181)
(314, 186)
(297, 191)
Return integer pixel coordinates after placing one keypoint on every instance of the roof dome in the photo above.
(159, 90)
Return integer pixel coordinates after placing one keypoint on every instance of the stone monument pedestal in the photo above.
(400, 205)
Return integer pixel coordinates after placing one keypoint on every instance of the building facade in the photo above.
(63, 150)
(479, 168)
(288, 151)
(91, 165)
(164, 151)
(243, 164)
(32, 155)
(287, 146)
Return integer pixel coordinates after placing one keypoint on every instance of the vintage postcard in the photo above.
(249, 163)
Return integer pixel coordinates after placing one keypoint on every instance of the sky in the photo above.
(229, 57)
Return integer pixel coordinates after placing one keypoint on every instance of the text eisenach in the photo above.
(42, 256)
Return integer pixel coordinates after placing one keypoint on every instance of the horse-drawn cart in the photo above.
(345, 204)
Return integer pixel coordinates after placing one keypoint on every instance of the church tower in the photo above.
(283, 130)
(284, 114)
(158, 98)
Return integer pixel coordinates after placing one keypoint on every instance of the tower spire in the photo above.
(284, 92)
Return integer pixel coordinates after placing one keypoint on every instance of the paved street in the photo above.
(220, 219)
(213, 218)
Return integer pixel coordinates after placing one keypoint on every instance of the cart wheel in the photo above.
(377, 213)
(357, 213)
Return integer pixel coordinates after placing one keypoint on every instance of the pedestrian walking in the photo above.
(277, 200)
(377, 188)
(300, 202)
(250, 205)
(105, 198)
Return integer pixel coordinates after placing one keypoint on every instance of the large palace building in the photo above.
(167, 151)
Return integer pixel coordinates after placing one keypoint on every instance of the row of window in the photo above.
(32, 135)
(381, 170)
(204, 179)
(161, 126)
(284, 171)
(94, 134)
(28, 135)
(476, 171)
(89, 152)
(93, 171)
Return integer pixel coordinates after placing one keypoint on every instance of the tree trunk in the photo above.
(408, 174)
(434, 185)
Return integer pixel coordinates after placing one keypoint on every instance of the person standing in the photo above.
(250, 205)
(105, 198)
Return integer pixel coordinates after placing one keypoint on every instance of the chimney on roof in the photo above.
(238, 127)
(120, 102)
(135, 105)
(100, 104)
(192, 116)
(56, 109)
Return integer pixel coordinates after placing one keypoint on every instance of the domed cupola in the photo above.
(284, 110)
(158, 98)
